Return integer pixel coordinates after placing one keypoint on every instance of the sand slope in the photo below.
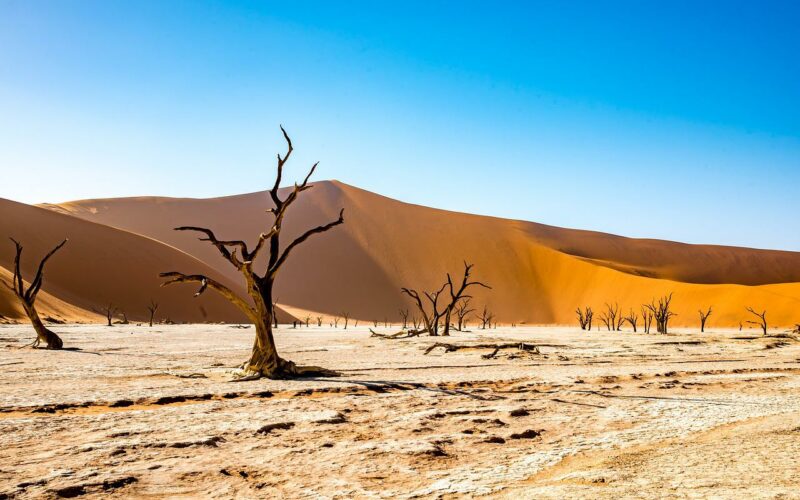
(101, 264)
(539, 273)
(49, 307)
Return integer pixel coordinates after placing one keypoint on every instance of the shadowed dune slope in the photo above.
(538, 273)
(101, 264)
(49, 307)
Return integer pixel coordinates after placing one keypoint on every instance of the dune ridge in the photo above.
(539, 273)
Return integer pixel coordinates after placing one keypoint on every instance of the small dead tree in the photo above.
(647, 319)
(585, 317)
(28, 297)
(463, 310)
(108, 311)
(124, 320)
(762, 319)
(404, 317)
(346, 316)
(430, 319)
(264, 360)
(336, 321)
(274, 314)
(661, 313)
(433, 317)
(152, 307)
(633, 319)
(486, 318)
(319, 320)
(703, 318)
(613, 318)
(414, 321)
(458, 293)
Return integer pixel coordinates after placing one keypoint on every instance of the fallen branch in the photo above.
(522, 346)
(403, 334)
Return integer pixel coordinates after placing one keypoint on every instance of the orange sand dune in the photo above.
(49, 307)
(101, 264)
(539, 273)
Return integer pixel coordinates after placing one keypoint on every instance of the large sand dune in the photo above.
(101, 264)
(539, 273)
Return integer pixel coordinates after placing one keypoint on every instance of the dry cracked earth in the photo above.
(146, 412)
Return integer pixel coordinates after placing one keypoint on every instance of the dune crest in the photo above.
(539, 273)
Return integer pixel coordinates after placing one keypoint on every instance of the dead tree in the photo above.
(346, 316)
(414, 321)
(274, 314)
(457, 294)
(585, 318)
(703, 318)
(429, 319)
(632, 318)
(124, 320)
(151, 309)
(606, 320)
(647, 319)
(404, 316)
(613, 318)
(486, 318)
(264, 360)
(433, 317)
(28, 297)
(463, 310)
(661, 313)
(108, 311)
(307, 320)
(762, 319)
(336, 321)
(319, 320)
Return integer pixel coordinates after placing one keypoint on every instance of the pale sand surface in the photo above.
(620, 415)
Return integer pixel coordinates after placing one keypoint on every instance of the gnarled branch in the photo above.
(206, 282)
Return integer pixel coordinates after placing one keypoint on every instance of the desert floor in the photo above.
(149, 412)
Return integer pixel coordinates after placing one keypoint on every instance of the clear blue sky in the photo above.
(675, 120)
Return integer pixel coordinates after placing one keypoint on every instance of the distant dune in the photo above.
(102, 265)
(539, 273)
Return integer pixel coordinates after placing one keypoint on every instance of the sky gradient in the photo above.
(672, 120)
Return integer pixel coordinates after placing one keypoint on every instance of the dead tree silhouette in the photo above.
(456, 293)
(647, 319)
(404, 317)
(28, 297)
(662, 313)
(346, 316)
(486, 318)
(585, 318)
(152, 307)
(108, 311)
(632, 318)
(429, 319)
(264, 360)
(463, 310)
(762, 319)
(703, 318)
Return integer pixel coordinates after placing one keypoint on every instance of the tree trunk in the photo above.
(43, 334)
(264, 359)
